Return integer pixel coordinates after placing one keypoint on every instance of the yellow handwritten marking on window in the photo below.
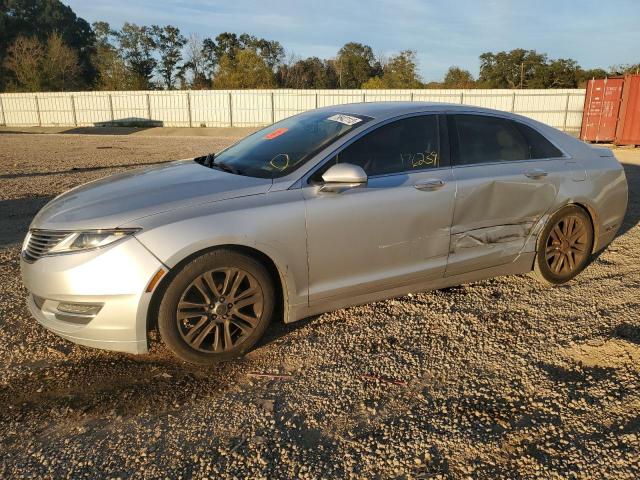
(280, 161)
(420, 159)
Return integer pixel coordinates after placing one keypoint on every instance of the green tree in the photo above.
(375, 83)
(210, 57)
(137, 46)
(400, 71)
(308, 73)
(39, 19)
(60, 64)
(355, 64)
(270, 50)
(332, 73)
(562, 73)
(24, 63)
(246, 70)
(583, 76)
(227, 45)
(514, 69)
(196, 63)
(169, 43)
(457, 77)
(113, 73)
(624, 69)
(35, 66)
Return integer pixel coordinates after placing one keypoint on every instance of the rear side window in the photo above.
(404, 145)
(539, 147)
(483, 139)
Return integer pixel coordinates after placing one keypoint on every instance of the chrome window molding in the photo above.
(565, 154)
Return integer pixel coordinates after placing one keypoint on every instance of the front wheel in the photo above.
(216, 308)
(564, 246)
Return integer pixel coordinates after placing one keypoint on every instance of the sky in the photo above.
(596, 33)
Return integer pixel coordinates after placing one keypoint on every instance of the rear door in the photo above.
(507, 176)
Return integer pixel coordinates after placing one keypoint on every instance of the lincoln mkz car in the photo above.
(333, 207)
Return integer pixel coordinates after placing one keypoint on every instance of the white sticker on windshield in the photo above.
(346, 119)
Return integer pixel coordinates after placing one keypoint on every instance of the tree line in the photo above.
(44, 46)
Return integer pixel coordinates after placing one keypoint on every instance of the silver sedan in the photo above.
(333, 207)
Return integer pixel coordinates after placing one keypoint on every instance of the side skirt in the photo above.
(521, 264)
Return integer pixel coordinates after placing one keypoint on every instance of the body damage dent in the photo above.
(502, 200)
(490, 235)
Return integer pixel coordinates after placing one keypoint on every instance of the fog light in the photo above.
(84, 309)
(78, 313)
(39, 301)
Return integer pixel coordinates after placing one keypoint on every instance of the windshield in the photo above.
(283, 147)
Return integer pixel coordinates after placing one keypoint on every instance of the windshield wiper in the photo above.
(225, 167)
(206, 160)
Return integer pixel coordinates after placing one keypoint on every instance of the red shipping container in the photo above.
(601, 108)
(628, 131)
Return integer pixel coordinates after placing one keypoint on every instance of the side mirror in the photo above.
(343, 176)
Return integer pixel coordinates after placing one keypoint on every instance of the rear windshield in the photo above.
(283, 147)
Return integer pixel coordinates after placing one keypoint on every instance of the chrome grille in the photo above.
(41, 241)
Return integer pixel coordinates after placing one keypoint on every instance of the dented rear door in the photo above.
(497, 203)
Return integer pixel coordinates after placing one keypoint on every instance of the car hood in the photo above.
(123, 198)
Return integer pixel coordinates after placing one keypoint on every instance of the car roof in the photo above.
(382, 110)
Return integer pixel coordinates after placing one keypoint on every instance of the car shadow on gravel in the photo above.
(104, 128)
(628, 332)
(16, 216)
(278, 330)
(120, 385)
(632, 217)
(106, 383)
(567, 376)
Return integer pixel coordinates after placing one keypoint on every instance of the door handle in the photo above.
(430, 184)
(536, 173)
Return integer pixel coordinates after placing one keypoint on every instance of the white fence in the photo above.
(249, 108)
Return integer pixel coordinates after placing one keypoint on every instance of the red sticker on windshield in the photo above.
(275, 133)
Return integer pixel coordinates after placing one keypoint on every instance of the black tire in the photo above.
(225, 330)
(560, 258)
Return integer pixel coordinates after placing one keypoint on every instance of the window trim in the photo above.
(306, 178)
(454, 141)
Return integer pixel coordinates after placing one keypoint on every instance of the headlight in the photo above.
(78, 241)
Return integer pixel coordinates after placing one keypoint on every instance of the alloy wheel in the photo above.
(567, 245)
(219, 309)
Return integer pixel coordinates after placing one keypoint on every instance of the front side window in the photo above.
(283, 147)
(405, 145)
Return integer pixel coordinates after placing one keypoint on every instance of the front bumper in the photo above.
(115, 277)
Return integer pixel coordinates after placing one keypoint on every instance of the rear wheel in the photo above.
(216, 308)
(564, 246)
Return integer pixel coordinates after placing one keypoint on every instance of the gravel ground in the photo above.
(498, 379)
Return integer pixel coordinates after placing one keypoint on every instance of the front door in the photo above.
(394, 230)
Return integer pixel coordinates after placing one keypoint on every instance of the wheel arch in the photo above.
(276, 274)
(593, 216)
(588, 209)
